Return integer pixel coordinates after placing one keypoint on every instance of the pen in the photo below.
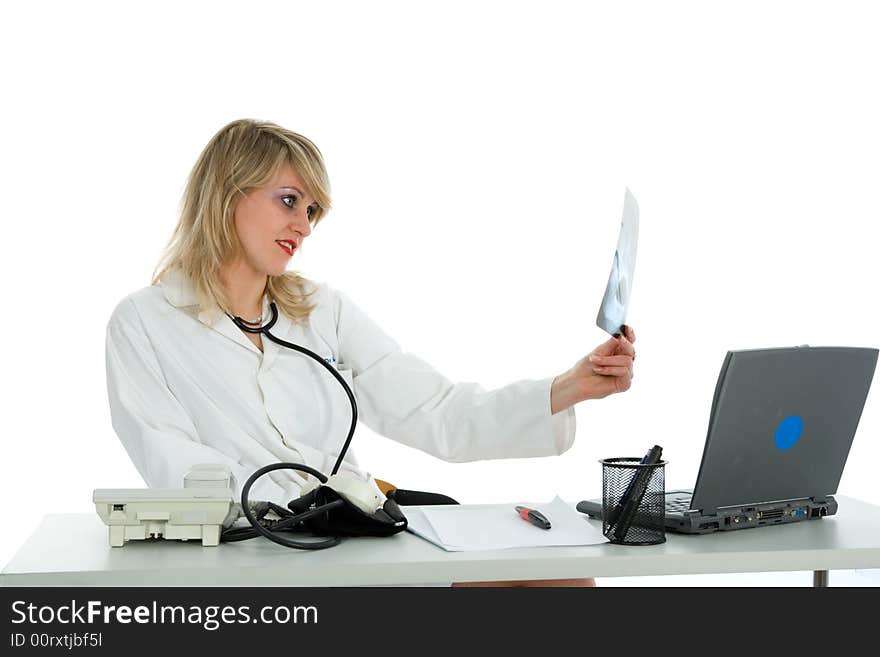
(615, 512)
(634, 494)
(535, 517)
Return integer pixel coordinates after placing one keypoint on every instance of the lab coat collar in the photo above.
(180, 293)
(177, 290)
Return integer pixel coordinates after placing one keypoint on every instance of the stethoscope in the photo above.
(288, 519)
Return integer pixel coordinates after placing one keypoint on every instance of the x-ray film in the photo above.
(612, 313)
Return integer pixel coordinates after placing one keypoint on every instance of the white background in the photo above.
(478, 153)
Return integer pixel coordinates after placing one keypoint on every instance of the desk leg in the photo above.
(820, 579)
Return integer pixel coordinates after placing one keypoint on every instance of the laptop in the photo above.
(780, 430)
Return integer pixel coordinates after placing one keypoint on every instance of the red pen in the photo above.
(535, 517)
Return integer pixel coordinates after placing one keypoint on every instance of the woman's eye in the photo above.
(292, 198)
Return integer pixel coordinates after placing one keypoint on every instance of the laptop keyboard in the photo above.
(678, 504)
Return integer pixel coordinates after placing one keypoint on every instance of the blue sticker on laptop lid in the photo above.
(789, 432)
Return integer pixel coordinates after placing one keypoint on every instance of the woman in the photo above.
(187, 386)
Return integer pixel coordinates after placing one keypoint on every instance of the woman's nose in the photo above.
(301, 223)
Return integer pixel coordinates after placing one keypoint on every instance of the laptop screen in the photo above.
(782, 424)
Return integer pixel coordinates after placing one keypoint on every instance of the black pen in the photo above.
(613, 515)
(630, 502)
(535, 517)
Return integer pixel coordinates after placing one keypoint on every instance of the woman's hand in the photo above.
(606, 370)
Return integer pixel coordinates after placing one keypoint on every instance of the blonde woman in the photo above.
(187, 386)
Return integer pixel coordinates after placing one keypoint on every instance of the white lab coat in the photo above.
(188, 387)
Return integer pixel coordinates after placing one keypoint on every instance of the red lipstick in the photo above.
(288, 246)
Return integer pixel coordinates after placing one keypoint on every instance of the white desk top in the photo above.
(73, 550)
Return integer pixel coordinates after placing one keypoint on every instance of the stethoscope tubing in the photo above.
(292, 521)
(264, 329)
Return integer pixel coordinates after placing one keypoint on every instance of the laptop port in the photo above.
(769, 515)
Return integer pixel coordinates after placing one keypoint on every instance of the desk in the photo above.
(73, 550)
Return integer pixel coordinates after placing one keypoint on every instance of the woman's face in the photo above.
(272, 221)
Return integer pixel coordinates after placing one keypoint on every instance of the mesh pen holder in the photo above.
(633, 502)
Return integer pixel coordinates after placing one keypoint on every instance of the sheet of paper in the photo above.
(465, 527)
(612, 312)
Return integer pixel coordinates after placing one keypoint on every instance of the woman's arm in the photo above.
(402, 397)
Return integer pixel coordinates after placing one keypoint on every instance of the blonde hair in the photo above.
(242, 155)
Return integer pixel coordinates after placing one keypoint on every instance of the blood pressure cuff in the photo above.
(349, 520)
